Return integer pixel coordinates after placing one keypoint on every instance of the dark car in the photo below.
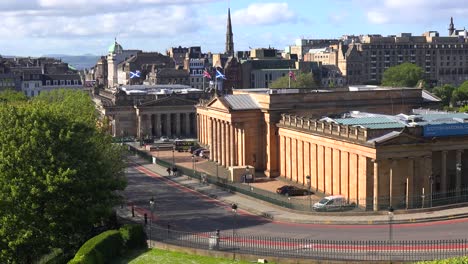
(289, 190)
(197, 151)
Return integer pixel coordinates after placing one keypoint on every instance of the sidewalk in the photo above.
(279, 214)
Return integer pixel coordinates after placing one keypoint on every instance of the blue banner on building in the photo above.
(444, 130)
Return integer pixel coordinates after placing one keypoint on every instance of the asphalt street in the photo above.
(185, 209)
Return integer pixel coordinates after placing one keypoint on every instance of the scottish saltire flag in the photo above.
(219, 75)
(135, 74)
(206, 74)
(292, 75)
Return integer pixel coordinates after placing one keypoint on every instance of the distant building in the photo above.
(149, 110)
(302, 46)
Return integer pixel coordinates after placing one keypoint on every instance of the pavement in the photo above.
(280, 214)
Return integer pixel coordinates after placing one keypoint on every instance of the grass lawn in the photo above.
(168, 257)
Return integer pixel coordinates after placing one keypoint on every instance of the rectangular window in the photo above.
(47, 82)
(68, 82)
(75, 82)
(55, 82)
(62, 82)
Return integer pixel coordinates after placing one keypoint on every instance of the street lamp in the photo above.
(247, 175)
(193, 164)
(390, 220)
(234, 210)
(157, 152)
(217, 173)
(151, 201)
(309, 186)
(431, 178)
(173, 158)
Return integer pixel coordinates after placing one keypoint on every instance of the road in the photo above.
(187, 210)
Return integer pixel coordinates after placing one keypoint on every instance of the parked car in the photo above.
(290, 190)
(197, 151)
(205, 154)
(332, 203)
(164, 139)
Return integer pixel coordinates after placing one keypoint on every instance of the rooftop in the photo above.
(158, 89)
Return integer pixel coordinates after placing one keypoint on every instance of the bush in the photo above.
(460, 260)
(133, 236)
(100, 249)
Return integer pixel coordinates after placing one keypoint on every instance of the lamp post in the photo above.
(390, 228)
(193, 164)
(157, 152)
(246, 175)
(309, 186)
(431, 179)
(234, 211)
(173, 158)
(151, 201)
(217, 172)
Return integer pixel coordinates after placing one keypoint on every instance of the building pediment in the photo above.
(168, 101)
(218, 103)
(396, 138)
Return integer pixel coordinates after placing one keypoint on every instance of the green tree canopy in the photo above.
(12, 96)
(460, 95)
(405, 75)
(303, 80)
(444, 93)
(58, 175)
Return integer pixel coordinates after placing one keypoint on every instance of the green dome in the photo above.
(115, 48)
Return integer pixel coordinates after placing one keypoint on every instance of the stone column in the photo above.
(390, 183)
(409, 184)
(168, 125)
(139, 132)
(376, 185)
(210, 137)
(458, 179)
(158, 125)
(232, 143)
(178, 124)
(187, 124)
(218, 141)
(223, 143)
(443, 176)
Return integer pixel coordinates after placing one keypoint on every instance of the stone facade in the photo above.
(246, 129)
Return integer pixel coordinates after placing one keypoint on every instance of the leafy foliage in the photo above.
(460, 95)
(444, 93)
(58, 175)
(100, 249)
(303, 80)
(134, 236)
(11, 96)
(405, 75)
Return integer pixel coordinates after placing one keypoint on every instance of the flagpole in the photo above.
(289, 78)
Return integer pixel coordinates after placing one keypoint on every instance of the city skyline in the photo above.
(35, 28)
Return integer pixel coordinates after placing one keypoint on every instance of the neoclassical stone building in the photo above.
(251, 128)
(149, 110)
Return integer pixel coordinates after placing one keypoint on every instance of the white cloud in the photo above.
(411, 11)
(264, 14)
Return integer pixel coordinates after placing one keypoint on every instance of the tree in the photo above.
(444, 93)
(12, 96)
(460, 95)
(403, 75)
(58, 175)
(303, 80)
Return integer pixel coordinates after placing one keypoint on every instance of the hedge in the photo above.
(100, 249)
(134, 236)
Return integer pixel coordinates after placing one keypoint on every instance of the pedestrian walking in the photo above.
(174, 171)
(169, 171)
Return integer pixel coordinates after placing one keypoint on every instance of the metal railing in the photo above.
(399, 251)
(304, 203)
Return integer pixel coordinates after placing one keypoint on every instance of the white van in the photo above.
(331, 203)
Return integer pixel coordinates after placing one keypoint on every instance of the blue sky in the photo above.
(37, 27)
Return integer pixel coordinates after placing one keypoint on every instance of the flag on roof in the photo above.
(292, 75)
(135, 74)
(206, 74)
(219, 75)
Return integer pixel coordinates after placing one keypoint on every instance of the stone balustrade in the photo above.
(350, 132)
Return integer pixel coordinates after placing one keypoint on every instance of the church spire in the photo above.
(229, 38)
(451, 27)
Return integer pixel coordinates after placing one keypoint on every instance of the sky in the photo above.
(76, 27)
